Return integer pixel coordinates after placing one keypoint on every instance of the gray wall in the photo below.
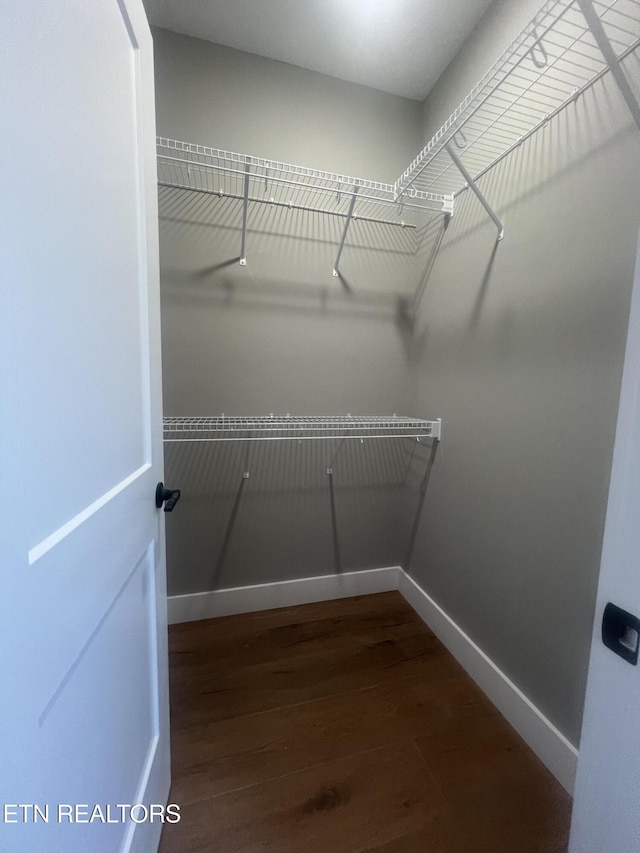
(228, 99)
(503, 21)
(519, 349)
(281, 334)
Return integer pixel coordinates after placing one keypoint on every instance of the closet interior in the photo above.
(474, 296)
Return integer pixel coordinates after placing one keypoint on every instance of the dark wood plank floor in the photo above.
(345, 726)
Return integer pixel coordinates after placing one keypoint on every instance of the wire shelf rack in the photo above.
(553, 60)
(567, 46)
(298, 428)
(185, 165)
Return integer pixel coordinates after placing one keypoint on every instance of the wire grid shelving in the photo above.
(298, 428)
(185, 165)
(551, 62)
(567, 46)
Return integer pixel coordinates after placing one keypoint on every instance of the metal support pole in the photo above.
(336, 266)
(602, 40)
(474, 188)
(245, 205)
(245, 473)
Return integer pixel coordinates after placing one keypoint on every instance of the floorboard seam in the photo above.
(297, 772)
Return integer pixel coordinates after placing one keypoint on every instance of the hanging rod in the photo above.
(192, 166)
(290, 206)
(298, 428)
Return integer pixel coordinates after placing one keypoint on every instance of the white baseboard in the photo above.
(549, 744)
(266, 596)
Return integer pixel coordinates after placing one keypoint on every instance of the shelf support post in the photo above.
(336, 266)
(245, 205)
(606, 48)
(475, 189)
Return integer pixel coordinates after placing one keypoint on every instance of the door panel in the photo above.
(606, 815)
(81, 577)
(83, 654)
(83, 256)
(121, 738)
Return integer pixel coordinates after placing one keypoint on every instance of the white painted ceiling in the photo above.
(398, 46)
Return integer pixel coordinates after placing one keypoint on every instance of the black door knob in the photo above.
(168, 497)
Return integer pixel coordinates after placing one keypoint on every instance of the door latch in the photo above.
(621, 633)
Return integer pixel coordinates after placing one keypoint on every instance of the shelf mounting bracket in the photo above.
(475, 189)
(606, 48)
(352, 204)
(245, 205)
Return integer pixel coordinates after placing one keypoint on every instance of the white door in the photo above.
(606, 815)
(83, 675)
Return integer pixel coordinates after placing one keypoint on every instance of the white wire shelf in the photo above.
(298, 428)
(553, 60)
(185, 165)
(567, 46)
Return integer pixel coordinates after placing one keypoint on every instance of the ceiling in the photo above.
(397, 46)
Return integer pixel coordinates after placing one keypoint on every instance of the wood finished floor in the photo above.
(345, 726)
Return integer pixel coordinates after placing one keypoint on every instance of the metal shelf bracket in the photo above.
(606, 48)
(475, 189)
(352, 204)
(245, 205)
